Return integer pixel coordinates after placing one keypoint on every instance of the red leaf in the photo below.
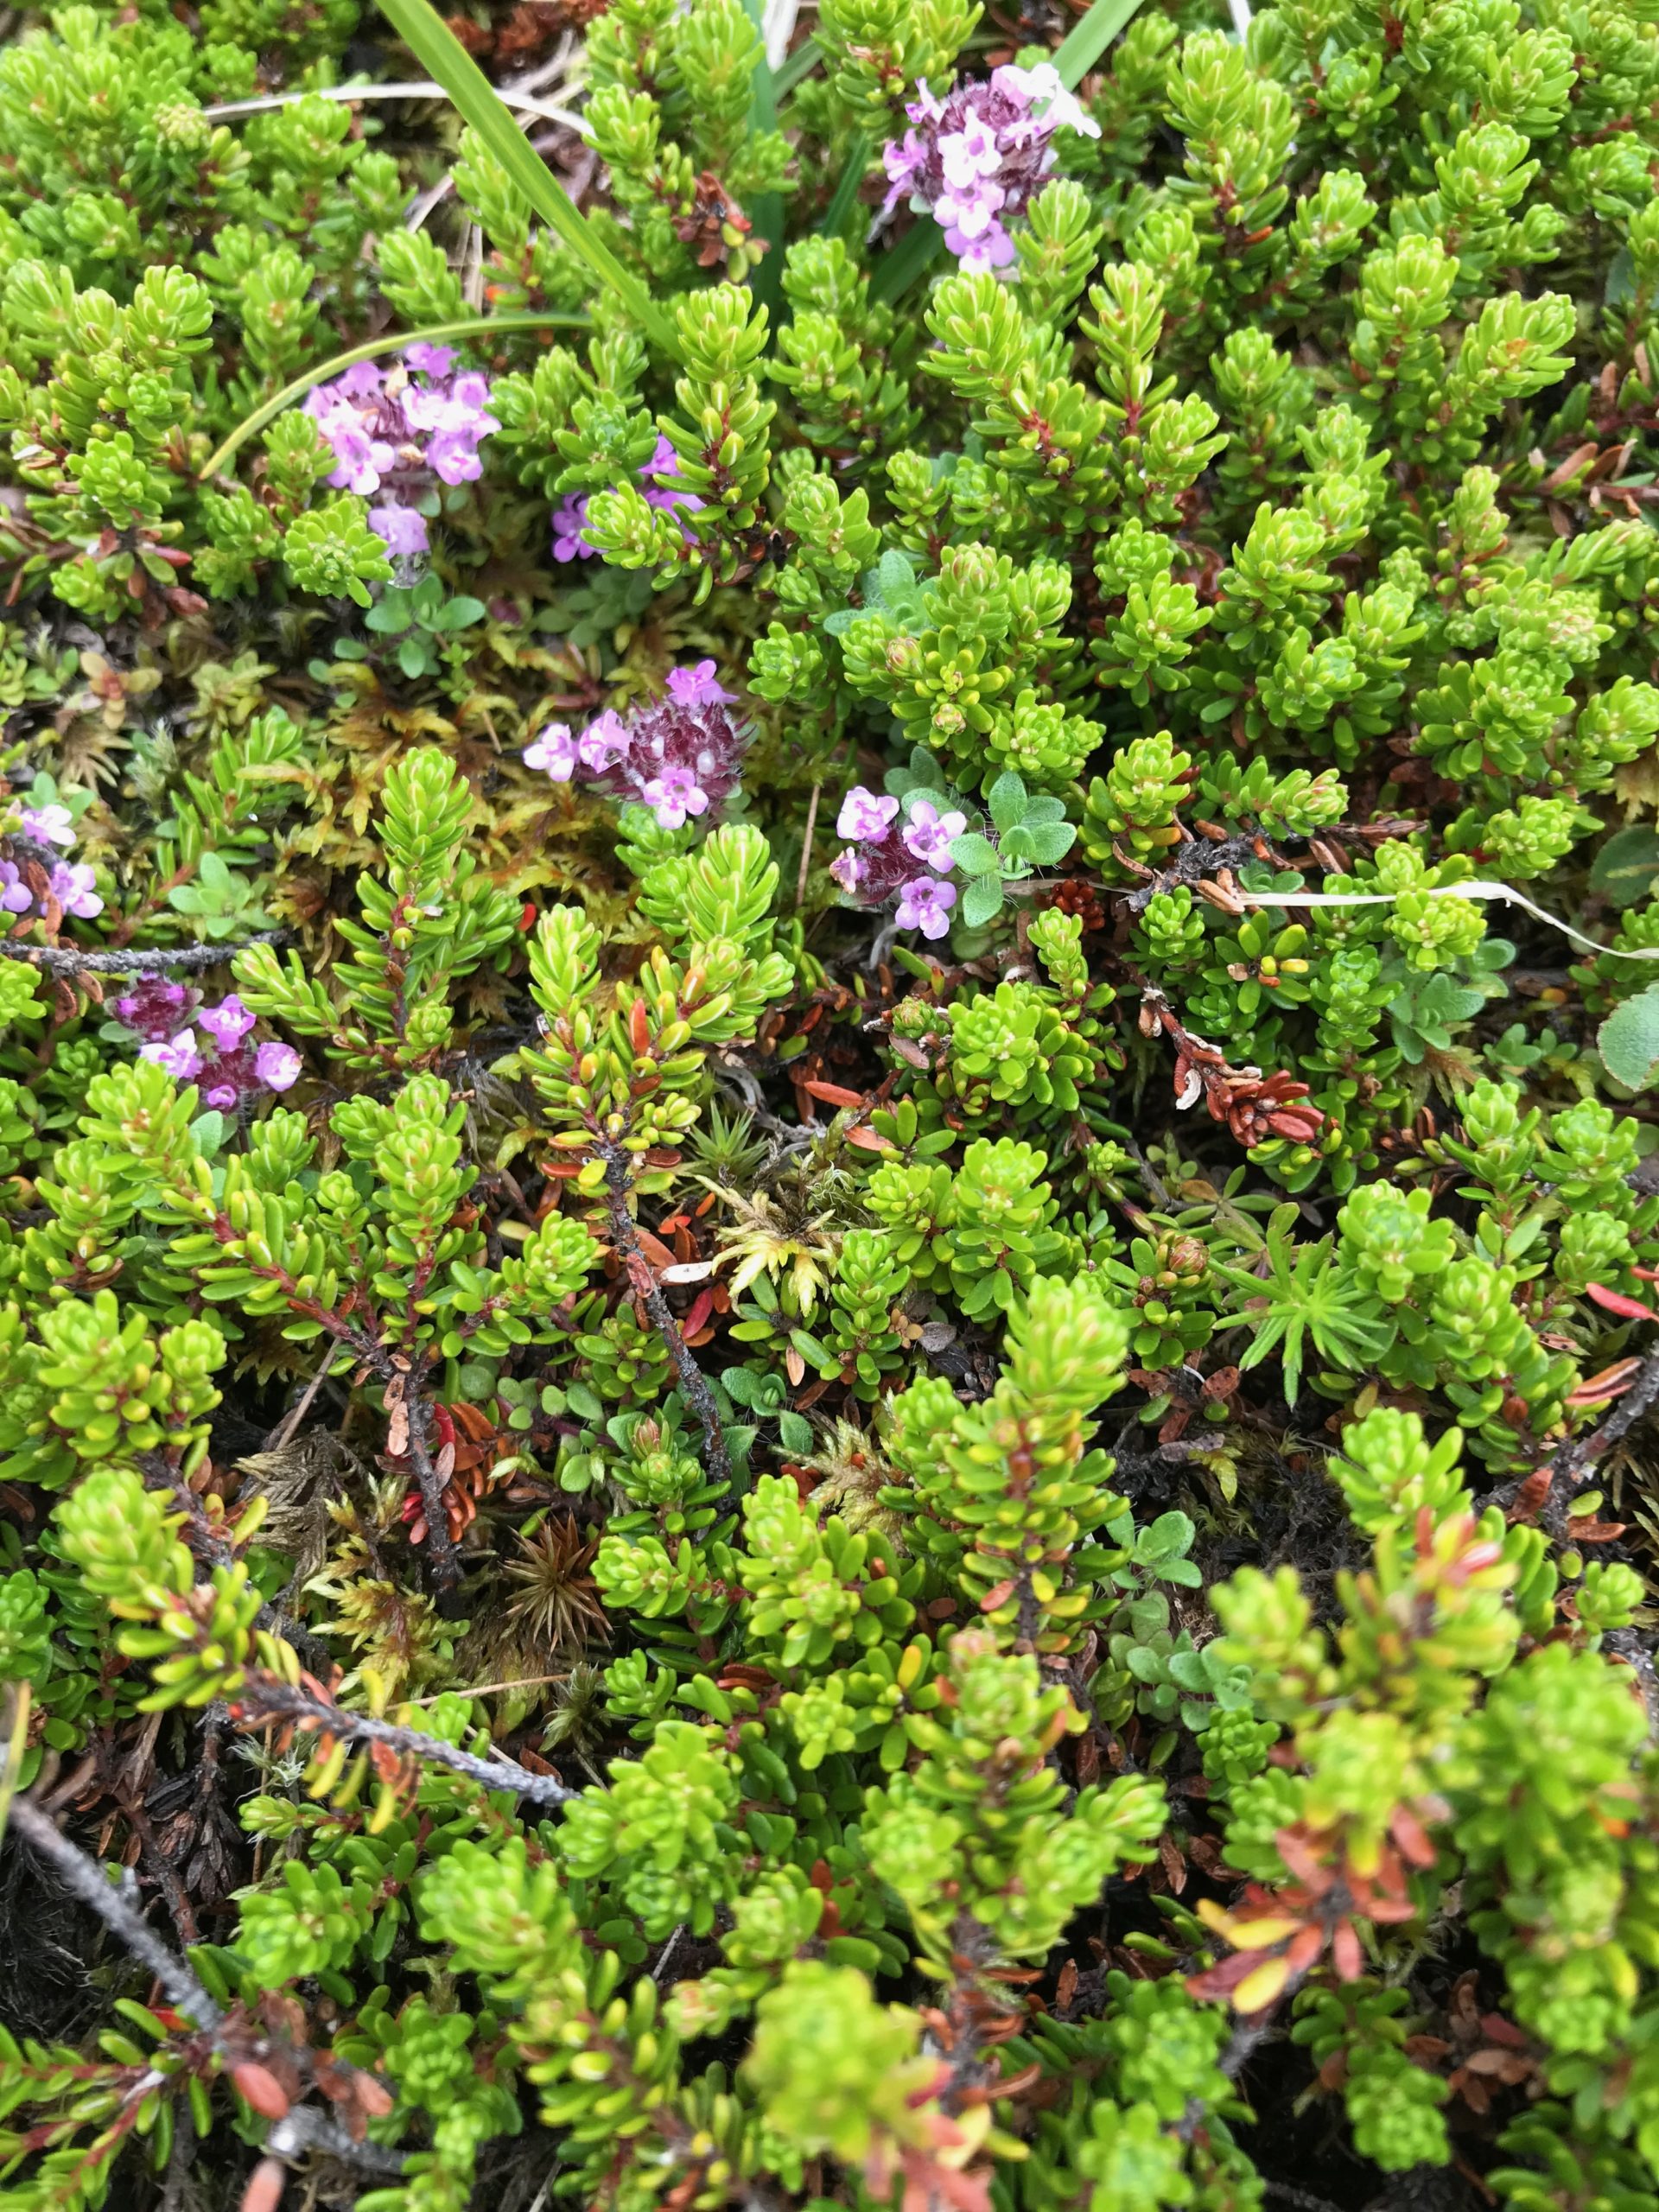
(1614, 1302)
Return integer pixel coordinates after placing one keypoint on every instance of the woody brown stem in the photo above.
(446, 1568)
(619, 1182)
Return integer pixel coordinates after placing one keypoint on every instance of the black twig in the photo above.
(82, 1877)
(1574, 1461)
(619, 1182)
(446, 1568)
(67, 960)
(262, 1698)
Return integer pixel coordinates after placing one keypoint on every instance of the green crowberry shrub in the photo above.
(826, 1372)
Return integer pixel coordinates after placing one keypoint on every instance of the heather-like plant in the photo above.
(826, 1103)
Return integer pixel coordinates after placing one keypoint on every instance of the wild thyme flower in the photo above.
(213, 1044)
(658, 482)
(680, 756)
(881, 865)
(866, 815)
(71, 883)
(928, 834)
(394, 437)
(925, 903)
(75, 888)
(49, 825)
(975, 160)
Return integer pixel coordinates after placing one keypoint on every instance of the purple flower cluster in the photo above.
(71, 884)
(658, 482)
(908, 860)
(213, 1042)
(393, 437)
(680, 756)
(975, 160)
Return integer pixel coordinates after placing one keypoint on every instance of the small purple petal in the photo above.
(276, 1065)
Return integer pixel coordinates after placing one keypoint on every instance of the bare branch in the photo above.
(263, 1697)
(84, 1878)
(68, 960)
(446, 1568)
(618, 1182)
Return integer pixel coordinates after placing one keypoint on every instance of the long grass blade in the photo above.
(443, 57)
(846, 193)
(914, 254)
(434, 333)
(805, 59)
(767, 211)
(1089, 39)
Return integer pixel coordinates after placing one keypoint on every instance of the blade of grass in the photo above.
(766, 212)
(443, 57)
(1088, 40)
(472, 326)
(845, 192)
(898, 270)
(1082, 47)
(805, 59)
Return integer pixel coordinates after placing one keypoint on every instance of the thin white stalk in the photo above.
(778, 28)
(423, 91)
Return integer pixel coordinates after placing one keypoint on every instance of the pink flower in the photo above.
(276, 1065)
(425, 359)
(222, 1094)
(697, 687)
(403, 528)
(49, 825)
(16, 897)
(994, 250)
(673, 795)
(362, 460)
(179, 1055)
(453, 455)
(847, 869)
(227, 1023)
(569, 523)
(604, 742)
(393, 436)
(74, 887)
(970, 154)
(928, 834)
(556, 751)
(975, 160)
(865, 815)
(363, 380)
(972, 213)
(925, 903)
(1056, 109)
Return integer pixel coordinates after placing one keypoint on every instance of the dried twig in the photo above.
(446, 1568)
(806, 843)
(262, 1698)
(618, 1182)
(291, 1420)
(305, 2129)
(1574, 1461)
(83, 1878)
(66, 960)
